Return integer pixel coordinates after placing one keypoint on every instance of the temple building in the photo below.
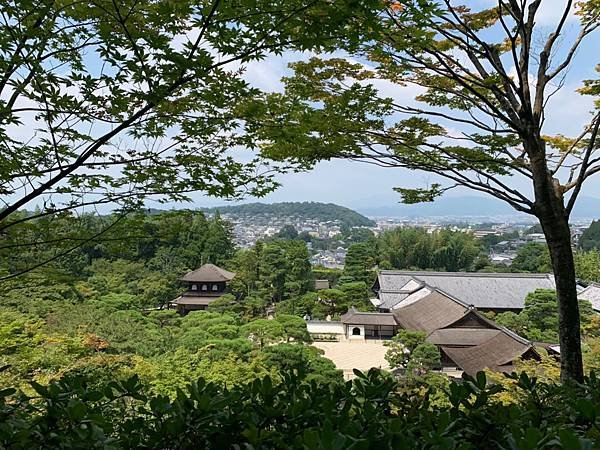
(204, 286)
(488, 292)
(467, 340)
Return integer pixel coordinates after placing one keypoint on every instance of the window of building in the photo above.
(204, 287)
(355, 331)
(194, 287)
(215, 287)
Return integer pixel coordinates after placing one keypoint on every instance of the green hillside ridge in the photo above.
(308, 210)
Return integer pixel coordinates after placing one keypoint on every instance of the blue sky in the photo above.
(359, 185)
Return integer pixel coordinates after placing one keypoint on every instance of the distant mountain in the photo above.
(469, 206)
(308, 210)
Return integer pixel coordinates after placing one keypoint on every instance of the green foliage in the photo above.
(357, 294)
(587, 265)
(144, 255)
(327, 302)
(288, 232)
(532, 257)
(330, 302)
(358, 265)
(78, 330)
(538, 321)
(291, 412)
(415, 248)
(245, 308)
(590, 238)
(294, 327)
(409, 351)
(301, 359)
(133, 100)
(325, 273)
(489, 240)
(274, 270)
(305, 304)
(263, 331)
(424, 357)
(219, 245)
(321, 212)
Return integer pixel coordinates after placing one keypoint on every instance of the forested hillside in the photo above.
(97, 307)
(321, 212)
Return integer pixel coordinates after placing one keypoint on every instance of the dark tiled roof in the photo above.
(483, 290)
(390, 299)
(208, 273)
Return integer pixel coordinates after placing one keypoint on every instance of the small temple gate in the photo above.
(204, 286)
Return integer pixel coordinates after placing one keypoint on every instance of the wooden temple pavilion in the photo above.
(204, 286)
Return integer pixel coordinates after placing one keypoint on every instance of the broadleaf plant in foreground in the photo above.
(372, 411)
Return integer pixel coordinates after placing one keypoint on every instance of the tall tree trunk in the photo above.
(549, 209)
(558, 238)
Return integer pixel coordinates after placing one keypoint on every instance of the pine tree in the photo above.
(359, 263)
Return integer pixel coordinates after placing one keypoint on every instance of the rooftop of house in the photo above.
(466, 336)
(482, 290)
(430, 312)
(355, 317)
(208, 273)
(193, 300)
(497, 353)
(591, 293)
(462, 337)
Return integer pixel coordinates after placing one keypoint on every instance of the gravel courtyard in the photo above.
(354, 355)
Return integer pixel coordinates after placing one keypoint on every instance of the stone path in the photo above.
(355, 355)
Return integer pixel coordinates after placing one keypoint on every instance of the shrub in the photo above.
(372, 411)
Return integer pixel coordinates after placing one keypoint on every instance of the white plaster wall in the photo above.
(325, 327)
(351, 336)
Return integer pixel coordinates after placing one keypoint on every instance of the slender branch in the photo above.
(584, 172)
(66, 252)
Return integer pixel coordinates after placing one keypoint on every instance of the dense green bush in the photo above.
(415, 248)
(372, 411)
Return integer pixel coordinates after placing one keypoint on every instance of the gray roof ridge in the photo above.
(394, 291)
(355, 312)
(422, 284)
(416, 274)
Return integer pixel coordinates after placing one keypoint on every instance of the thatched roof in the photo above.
(431, 312)
(208, 273)
(482, 290)
(497, 353)
(354, 317)
(462, 337)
